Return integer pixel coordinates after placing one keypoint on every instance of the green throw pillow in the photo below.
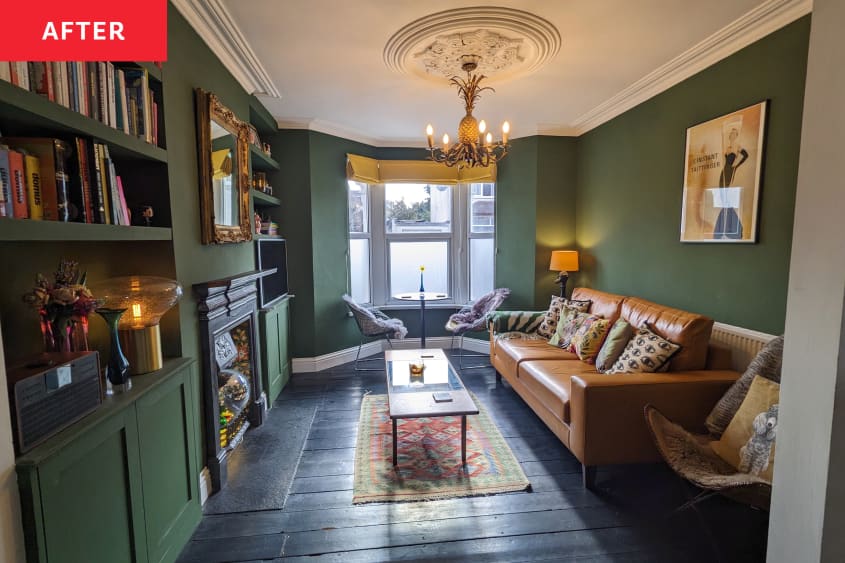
(618, 337)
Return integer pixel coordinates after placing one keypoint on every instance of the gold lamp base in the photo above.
(142, 347)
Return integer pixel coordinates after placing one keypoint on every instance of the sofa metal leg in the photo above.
(588, 476)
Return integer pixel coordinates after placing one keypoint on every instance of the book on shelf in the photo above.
(33, 186)
(98, 196)
(52, 155)
(118, 95)
(20, 203)
(5, 184)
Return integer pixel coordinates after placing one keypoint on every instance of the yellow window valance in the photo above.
(373, 171)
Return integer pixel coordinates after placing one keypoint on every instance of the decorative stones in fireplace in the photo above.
(233, 397)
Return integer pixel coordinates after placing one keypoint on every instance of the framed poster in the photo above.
(722, 172)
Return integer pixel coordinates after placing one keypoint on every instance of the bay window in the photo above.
(394, 228)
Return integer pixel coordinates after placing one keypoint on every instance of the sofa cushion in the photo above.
(618, 337)
(605, 305)
(552, 316)
(589, 337)
(550, 382)
(690, 330)
(646, 352)
(510, 353)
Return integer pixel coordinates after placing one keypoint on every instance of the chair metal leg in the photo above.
(462, 355)
(358, 355)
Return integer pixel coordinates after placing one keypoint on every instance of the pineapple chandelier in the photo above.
(475, 146)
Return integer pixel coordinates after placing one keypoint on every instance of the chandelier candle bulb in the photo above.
(488, 139)
(429, 133)
(506, 128)
(445, 141)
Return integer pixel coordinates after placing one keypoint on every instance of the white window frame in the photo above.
(457, 241)
(366, 235)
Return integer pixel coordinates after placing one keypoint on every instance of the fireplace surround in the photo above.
(233, 398)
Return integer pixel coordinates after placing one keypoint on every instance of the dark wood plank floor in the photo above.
(290, 497)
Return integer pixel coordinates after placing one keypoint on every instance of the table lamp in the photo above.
(563, 261)
(144, 300)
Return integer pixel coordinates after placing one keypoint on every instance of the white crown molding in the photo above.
(329, 128)
(754, 25)
(334, 359)
(213, 22)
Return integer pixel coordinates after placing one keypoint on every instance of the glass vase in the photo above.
(117, 370)
(64, 333)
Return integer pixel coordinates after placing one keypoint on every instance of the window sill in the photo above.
(415, 306)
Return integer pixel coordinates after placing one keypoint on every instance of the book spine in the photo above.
(73, 99)
(20, 207)
(23, 74)
(148, 109)
(110, 95)
(93, 91)
(98, 214)
(102, 94)
(111, 181)
(5, 185)
(81, 87)
(124, 208)
(13, 73)
(155, 124)
(30, 68)
(124, 106)
(33, 184)
(5, 71)
(100, 170)
(56, 70)
(85, 195)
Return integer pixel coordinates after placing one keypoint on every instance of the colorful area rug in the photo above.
(429, 455)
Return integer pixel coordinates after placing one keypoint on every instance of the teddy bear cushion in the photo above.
(748, 442)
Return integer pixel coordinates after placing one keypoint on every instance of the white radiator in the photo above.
(743, 342)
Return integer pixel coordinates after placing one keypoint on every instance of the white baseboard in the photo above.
(334, 359)
(205, 485)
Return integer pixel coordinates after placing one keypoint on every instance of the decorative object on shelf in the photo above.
(563, 262)
(252, 135)
(422, 287)
(117, 370)
(269, 228)
(259, 182)
(475, 146)
(145, 299)
(224, 195)
(143, 216)
(257, 224)
(722, 177)
(63, 306)
(268, 150)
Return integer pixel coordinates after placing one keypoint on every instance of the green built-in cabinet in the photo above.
(274, 327)
(120, 485)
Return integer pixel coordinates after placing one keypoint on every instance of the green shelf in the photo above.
(258, 237)
(26, 230)
(39, 116)
(260, 118)
(260, 199)
(260, 161)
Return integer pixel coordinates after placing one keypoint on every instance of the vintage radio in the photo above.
(51, 394)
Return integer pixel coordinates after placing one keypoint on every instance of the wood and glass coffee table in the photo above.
(437, 391)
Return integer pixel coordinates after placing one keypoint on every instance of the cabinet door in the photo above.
(91, 496)
(284, 349)
(166, 438)
(270, 352)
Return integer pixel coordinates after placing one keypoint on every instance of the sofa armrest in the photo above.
(515, 321)
(607, 422)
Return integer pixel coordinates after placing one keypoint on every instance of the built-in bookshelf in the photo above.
(266, 205)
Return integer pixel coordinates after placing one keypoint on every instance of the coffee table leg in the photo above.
(464, 439)
(394, 441)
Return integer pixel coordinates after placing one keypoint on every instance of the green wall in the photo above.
(629, 191)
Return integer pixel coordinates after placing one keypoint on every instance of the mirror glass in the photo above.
(223, 156)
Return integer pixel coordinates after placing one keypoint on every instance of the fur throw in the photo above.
(475, 317)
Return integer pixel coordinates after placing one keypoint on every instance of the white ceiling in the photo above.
(325, 58)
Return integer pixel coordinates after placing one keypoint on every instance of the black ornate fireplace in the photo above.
(233, 397)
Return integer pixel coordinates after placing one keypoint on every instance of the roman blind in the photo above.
(373, 171)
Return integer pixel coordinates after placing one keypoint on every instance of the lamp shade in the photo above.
(564, 261)
(145, 298)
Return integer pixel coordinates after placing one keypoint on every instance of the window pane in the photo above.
(359, 207)
(481, 267)
(482, 208)
(417, 208)
(359, 269)
(406, 259)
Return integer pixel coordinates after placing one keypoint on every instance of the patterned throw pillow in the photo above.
(550, 320)
(749, 440)
(618, 337)
(646, 352)
(589, 337)
(567, 316)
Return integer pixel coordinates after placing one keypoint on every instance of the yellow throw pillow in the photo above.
(749, 440)
(567, 316)
(589, 337)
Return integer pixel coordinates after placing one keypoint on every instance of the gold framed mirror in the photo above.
(223, 157)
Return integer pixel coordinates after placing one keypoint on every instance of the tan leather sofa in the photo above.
(599, 417)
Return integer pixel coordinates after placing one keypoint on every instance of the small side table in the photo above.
(422, 297)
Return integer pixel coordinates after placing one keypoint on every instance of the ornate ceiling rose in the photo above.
(507, 42)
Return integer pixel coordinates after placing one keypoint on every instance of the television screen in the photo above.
(272, 253)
